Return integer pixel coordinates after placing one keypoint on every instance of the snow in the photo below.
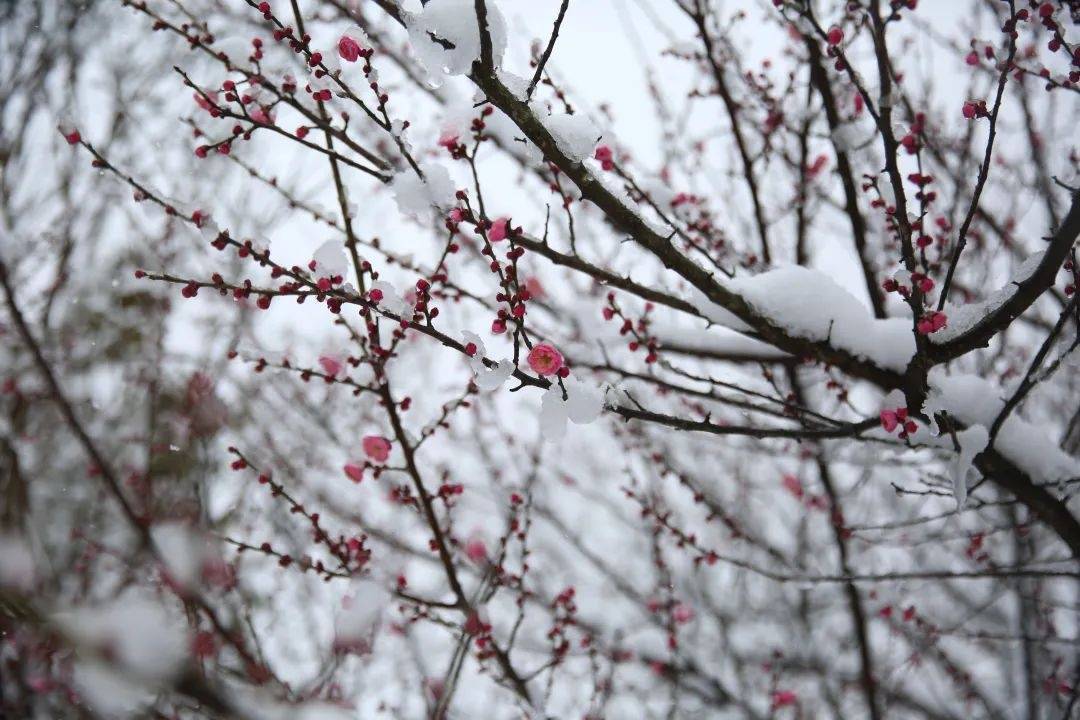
(576, 135)
(848, 137)
(330, 259)
(182, 551)
(583, 405)
(487, 378)
(516, 84)
(809, 304)
(138, 634)
(454, 22)
(360, 615)
(391, 299)
(962, 318)
(110, 693)
(720, 341)
(972, 441)
(418, 197)
(16, 564)
(191, 559)
(974, 400)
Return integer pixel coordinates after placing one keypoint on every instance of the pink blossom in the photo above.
(605, 157)
(475, 550)
(969, 109)
(545, 359)
(457, 215)
(354, 472)
(261, 116)
(203, 645)
(835, 35)
(448, 139)
(534, 287)
(793, 485)
(499, 229)
(817, 166)
(474, 625)
(207, 101)
(348, 49)
(972, 58)
(931, 322)
(332, 366)
(783, 698)
(376, 447)
(682, 613)
(889, 420)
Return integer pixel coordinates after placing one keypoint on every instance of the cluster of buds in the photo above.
(921, 181)
(973, 57)
(898, 418)
(639, 330)
(975, 109)
(605, 157)
(902, 282)
(910, 141)
(565, 610)
(931, 322)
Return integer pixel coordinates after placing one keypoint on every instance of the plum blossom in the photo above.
(794, 486)
(206, 101)
(348, 49)
(260, 115)
(605, 157)
(682, 613)
(331, 365)
(783, 698)
(476, 549)
(448, 139)
(893, 418)
(544, 359)
(376, 447)
(535, 288)
(500, 228)
(931, 322)
(354, 472)
(889, 420)
(71, 134)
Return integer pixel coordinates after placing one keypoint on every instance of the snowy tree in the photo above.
(475, 358)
